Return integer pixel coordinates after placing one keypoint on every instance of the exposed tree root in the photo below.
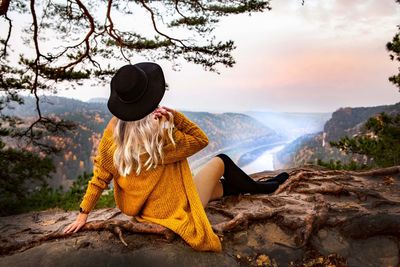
(328, 189)
(378, 172)
(293, 181)
(243, 219)
(114, 226)
(313, 221)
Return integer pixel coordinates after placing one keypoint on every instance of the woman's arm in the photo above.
(189, 139)
(103, 171)
(99, 182)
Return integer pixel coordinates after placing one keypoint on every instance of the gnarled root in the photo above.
(243, 218)
(114, 226)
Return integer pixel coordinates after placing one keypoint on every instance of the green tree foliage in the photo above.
(17, 168)
(381, 143)
(46, 197)
(394, 48)
(394, 53)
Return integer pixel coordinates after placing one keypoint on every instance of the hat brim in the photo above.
(147, 103)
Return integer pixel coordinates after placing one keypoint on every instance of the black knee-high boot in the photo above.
(236, 181)
(280, 178)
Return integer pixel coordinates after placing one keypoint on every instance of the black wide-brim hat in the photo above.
(136, 91)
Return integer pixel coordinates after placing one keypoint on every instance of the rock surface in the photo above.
(318, 217)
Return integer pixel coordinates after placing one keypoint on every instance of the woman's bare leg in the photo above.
(218, 191)
(207, 180)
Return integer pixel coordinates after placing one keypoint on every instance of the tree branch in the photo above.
(155, 25)
(86, 39)
(4, 53)
(4, 7)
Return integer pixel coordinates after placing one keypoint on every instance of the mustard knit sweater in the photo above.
(166, 195)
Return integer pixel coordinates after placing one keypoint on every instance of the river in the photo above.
(250, 160)
(265, 162)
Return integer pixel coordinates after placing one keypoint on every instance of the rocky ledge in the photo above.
(318, 217)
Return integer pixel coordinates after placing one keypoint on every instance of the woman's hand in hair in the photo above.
(77, 224)
(162, 111)
(169, 109)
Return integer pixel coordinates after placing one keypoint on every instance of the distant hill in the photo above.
(224, 130)
(347, 121)
(344, 122)
(98, 100)
(292, 124)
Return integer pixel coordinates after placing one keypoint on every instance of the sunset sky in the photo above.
(312, 58)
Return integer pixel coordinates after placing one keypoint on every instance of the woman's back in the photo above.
(165, 195)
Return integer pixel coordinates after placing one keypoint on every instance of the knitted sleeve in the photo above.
(189, 139)
(103, 172)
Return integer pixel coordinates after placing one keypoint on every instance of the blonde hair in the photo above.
(134, 138)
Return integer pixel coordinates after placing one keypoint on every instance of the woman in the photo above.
(144, 150)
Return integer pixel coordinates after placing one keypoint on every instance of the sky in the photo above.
(312, 58)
